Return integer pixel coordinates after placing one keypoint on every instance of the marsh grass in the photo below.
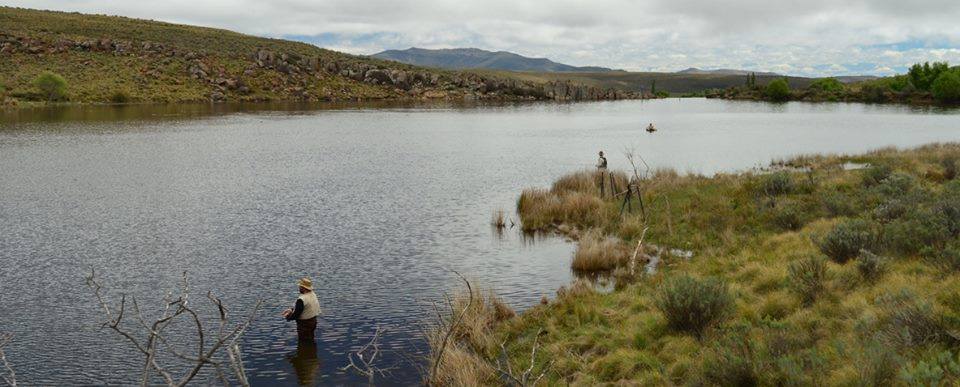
(598, 252)
(804, 305)
(808, 277)
(499, 219)
(469, 325)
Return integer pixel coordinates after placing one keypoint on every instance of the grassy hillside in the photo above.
(821, 273)
(117, 59)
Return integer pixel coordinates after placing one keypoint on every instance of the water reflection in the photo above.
(378, 205)
(305, 362)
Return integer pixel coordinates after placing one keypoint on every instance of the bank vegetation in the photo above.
(823, 270)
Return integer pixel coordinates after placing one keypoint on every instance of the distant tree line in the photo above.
(934, 82)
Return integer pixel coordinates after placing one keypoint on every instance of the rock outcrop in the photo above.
(295, 76)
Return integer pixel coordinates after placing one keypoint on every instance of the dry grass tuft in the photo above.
(499, 219)
(540, 209)
(469, 325)
(599, 252)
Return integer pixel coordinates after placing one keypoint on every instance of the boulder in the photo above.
(217, 96)
(380, 76)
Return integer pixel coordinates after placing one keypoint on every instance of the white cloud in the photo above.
(803, 38)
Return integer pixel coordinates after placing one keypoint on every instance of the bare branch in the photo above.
(173, 309)
(523, 379)
(455, 320)
(363, 361)
(8, 376)
(633, 260)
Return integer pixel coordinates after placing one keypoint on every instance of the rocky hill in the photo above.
(474, 58)
(116, 59)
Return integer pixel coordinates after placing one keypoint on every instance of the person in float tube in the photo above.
(305, 311)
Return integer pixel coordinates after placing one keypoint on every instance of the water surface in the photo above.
(378, 204)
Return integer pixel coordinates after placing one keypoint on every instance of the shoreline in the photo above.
(773, 254)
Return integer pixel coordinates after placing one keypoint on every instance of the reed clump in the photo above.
(499, 219)
(541, 210)
(599, 252)
(462, 341)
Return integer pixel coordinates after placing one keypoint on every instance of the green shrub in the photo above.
(788, 217)
(877, 365)
(875, 174)
(914, 232)
(946, 88)
(777, 90)
(909, 322)
(874, 92)
(896, 185)
(693, 305)
(950, 163)
(871, 266)
(942, 369)
(120, 96)
(730, 361)
(891, 210)
(846, 240)
(947, 259)
(838, 204)
(829, 85)
(948, 210)
(52, 86)
(778, 183)
(807, 278)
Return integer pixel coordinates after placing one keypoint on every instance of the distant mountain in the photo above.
(694, 70)
(474, 58)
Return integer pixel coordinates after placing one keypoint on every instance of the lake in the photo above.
(379, 204)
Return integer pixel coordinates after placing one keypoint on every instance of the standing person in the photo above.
(602, 163)
(601, 168)
(305, 311)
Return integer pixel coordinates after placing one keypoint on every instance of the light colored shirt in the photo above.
(311, 306)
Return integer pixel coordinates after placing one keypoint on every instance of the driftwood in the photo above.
(225, 339)
(363, 361)
(448, 329)
(6, 373)
(524, 378)
(633, 260)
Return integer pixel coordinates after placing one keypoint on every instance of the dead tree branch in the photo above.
(364, 360)
(448, 329)
(636, 252)
(523, 379)
(174, 309)
(8, 376)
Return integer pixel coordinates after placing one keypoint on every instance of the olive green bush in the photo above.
(693, 305)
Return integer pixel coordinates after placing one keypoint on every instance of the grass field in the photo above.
(816, 274)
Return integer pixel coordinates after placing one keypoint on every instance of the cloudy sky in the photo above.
(808, 37)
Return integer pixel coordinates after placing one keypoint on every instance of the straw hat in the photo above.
(305, 283)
